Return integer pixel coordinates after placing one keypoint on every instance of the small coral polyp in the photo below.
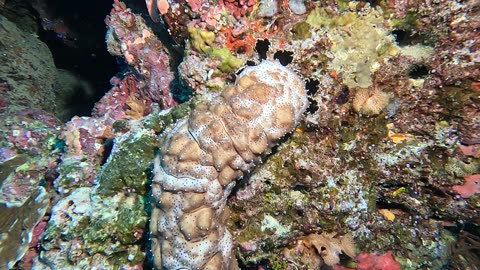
(370, 101)
(201, 157)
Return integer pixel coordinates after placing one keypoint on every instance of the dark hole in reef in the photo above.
(250, 63)
(418, 71)
(312, 86)
(181, 92)
(262, 48)
(108, 145)
(406, 37)
(313, 107)
(239, 224)
(392, 205)
(285, 57)
(400, 36)
(342, 97)
(263, 264)
(241, 50)
(299, 213)
(301, 188)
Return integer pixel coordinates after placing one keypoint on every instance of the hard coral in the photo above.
(201, 157)
(370, 102)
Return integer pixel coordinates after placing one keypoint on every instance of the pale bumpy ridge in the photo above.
(200, 157)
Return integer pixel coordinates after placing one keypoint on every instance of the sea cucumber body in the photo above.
(201, 157)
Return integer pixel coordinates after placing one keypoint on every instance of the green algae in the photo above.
(202, 41)
(71, 171)
(158, 122)
(301, 30)
(360, 42)
(105, 226)
(320, 17)
(229, 62)
(452, 98)
(127, 166)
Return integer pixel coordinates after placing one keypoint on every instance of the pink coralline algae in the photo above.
(195, 5)
(84, 136)
(401, 7)
(130, 37)
(23, 137)
(470, 187)
(239, 8)
(115, 102)
(368, 261)
(470, 150)
(28, 144)
(33, 247)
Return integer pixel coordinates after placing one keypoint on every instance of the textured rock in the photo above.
(27, 71)
(202, 155)
(17, 224)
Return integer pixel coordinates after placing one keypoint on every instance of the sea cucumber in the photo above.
(201, 156)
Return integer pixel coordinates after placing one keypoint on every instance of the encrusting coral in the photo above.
(202, 155)
(370, 102)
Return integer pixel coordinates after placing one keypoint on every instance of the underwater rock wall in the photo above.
(385, 164)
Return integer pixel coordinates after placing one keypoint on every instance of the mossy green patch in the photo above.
(409, 21)
(329, 18)
(126, 168)
(158, 122)
(301, 30)
(229, 62)
(200, 39)
(71, 170)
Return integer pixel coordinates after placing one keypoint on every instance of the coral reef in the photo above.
(470, 187)
(29, 152)
(387, 155)
(130, 37)
(200, 157)
(101, 223)
(370, 102)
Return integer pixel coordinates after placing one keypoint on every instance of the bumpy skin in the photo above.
(201, 156)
